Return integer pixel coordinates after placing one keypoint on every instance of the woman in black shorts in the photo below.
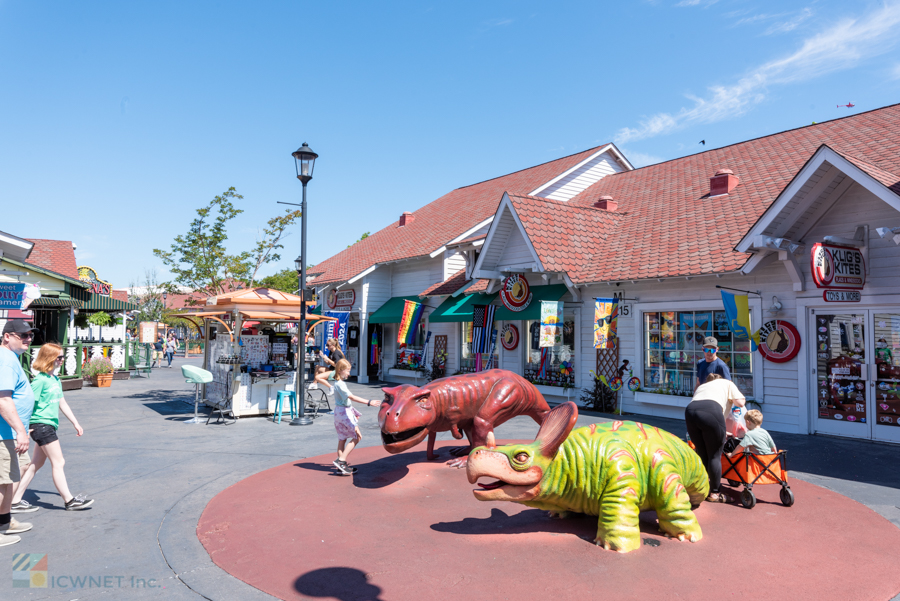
(705, 420)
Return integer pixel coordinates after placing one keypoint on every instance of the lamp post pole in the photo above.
(305, 160)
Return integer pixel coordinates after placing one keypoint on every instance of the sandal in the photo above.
(716, 498)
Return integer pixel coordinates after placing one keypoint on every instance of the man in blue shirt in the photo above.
(16, 405)
(711, 364)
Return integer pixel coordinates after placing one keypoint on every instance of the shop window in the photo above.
(467, 357)
(673, 345)
(558, 366)
(410, 356)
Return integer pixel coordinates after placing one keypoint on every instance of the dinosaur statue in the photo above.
(613, 470)
(472, 404)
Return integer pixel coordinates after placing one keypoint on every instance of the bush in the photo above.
(96, 367)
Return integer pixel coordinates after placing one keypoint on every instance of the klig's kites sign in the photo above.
(838, 267)
(89, 276)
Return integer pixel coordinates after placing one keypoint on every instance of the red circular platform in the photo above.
(405, 528)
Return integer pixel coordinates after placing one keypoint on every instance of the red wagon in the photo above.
(750, 469)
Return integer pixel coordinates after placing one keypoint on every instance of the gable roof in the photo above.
(671, 227)
(439, 222)
(54, 255)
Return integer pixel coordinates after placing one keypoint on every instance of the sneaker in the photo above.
(7, 539)
(347, 467)
(16, 527)
(343, 468)
(23, 506)
(313, 387)
(78, 502)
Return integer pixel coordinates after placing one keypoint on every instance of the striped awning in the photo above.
(63, 300)
(98, 302)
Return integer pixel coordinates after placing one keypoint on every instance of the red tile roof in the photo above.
(440, 221)
(54, 255)
(479, 286)
(448, 286)
(672, 228)
(120, 295)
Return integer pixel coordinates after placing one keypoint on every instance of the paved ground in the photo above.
(152, 476)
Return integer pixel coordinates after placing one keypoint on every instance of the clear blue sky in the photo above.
(121, 118)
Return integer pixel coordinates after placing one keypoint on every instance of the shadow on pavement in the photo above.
(346, 584)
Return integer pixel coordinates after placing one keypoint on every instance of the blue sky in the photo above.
(122, 118)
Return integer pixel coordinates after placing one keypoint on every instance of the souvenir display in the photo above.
(604, 453)
(474, 404)
(551, 323)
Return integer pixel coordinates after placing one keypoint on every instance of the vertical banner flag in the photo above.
(551, 323)
(606, 317)
(482, 322)
(737, 308)
(373, 357)
(490, 364)
(338, 329)
(409, 323)
(422, 362)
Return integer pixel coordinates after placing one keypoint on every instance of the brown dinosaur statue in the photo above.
(471, 403)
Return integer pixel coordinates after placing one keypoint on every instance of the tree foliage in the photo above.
(285, 280)
(269, 243)
(361, 238)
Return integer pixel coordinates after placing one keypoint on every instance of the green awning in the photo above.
(459, 308)
(63, 300)
(392, 310)
(533, 310)
(98, 302)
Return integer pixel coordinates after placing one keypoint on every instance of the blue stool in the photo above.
(279, 404)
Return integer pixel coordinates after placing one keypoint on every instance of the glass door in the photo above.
(841, 373)
(885, 385)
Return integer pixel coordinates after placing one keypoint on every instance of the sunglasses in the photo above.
(60, 358)
(27, 336)
(710, 350)
(607, 320)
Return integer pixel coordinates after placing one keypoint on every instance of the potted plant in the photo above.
(100, 318)
(99, 371)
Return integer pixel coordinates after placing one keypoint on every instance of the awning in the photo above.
(98, 302)
(459, 308)
(283, 316)
(533, 310)
(392, 310)
(62, 300)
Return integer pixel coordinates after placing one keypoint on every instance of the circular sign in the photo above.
(779, 341)
(823, 265)
(332, 299)
(509, 337)
(515, 293)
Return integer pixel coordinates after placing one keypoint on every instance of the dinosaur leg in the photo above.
(462, 453)
(431, 438)
(673, 503)
(618, 526)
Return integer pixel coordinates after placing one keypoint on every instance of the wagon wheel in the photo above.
(733, 483)
(787, 496)
(748, 499)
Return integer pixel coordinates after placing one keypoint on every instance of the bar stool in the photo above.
(279, 404)
(196, 376)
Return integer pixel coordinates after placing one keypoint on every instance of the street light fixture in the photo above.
(305, 160)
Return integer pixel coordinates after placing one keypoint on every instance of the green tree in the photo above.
(361, 238)
(269, 243)
(285, 280)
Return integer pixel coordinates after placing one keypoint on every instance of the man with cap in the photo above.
(710, 363)
(16, 405)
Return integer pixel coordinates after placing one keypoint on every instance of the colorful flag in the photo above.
(490, 364)
(425, 350)
(551, 323)
(737, 308)
(606, 317)
(409, 323)
(482, 322)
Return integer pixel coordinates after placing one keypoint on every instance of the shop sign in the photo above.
(842, 296)
(18, 296)
(97, 286)
(341, 298)
(779, 341)
(509, 337)
(838, 267)
(515, 293)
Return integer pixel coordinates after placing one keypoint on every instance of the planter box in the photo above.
(72, 384)
(406, 373)
(571, 394)
(668, 400)
(103, 380)
(122, 375)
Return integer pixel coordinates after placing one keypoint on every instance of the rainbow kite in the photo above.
(409, 323)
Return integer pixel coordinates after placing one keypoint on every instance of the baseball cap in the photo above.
(710, 341)
(18, 326)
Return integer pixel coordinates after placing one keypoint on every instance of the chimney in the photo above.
(406, 218)
(723, 182)
(606, 203)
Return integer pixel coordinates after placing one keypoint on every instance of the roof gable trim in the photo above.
(618, 156)
(479, 272)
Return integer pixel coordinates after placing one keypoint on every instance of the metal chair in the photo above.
(316, 403)
(196, 376)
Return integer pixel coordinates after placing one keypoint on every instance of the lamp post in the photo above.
(305, 160)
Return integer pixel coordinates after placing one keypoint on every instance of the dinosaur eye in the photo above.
(522, 457)
(388, 399)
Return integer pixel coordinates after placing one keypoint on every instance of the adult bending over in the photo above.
(705, 420)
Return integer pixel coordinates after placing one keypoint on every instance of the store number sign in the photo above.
(838, 267)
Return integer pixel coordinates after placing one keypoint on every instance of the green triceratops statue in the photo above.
(613, 470)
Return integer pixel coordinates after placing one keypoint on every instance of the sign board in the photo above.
(341, 298)
(148, 332)
(779, 341)
(18, 296)
(89, 276)
(515, 293)
(837, 267)
(842, 296)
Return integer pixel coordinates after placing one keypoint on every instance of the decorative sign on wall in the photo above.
(551, 323)
(509, 337)
(18, 296)
(837, 267)
(515, 293)
(89, 275)
(341, 298)
(842, 296)
(606, 314)
(779, 341)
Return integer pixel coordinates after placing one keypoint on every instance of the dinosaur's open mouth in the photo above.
(492, 485)
(389, 438)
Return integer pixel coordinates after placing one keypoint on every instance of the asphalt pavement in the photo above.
(151, 476)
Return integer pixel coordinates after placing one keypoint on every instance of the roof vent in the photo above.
(406, 218)
(606, 203)
(723, 182)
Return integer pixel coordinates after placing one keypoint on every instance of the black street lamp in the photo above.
(305, 160)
